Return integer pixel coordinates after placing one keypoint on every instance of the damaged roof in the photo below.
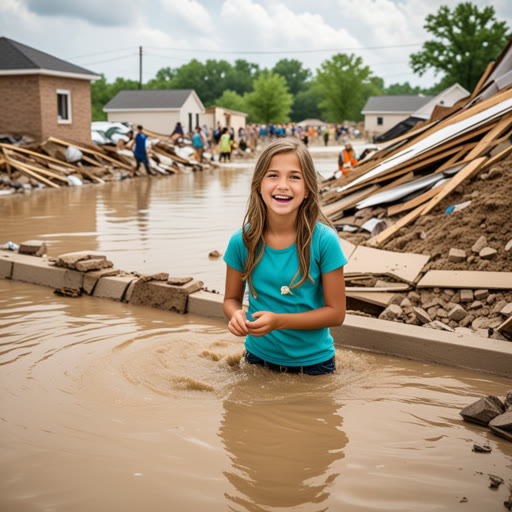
(398, 104)
(150, 99)
(20, 59)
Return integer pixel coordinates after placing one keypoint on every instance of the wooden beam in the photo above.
(482, 80)
(37, 169)
(469, 170)
(34, 153)
(90, 151)
(416, 201)
(21, 167)
(498, 157)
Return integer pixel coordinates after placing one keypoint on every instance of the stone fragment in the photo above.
(441, 313)
(484, 410)
(471, 258)
(508, 246)
(464, 331)
(160, 276)
(494, 173)
(422, 316)
(503, 421)
(440, 326)
(430, 304)
(479, 244)
(475, 305)
(482, 449)
(496, 481)
(449, 292)
(502, 433)
(97, 264)
(214, 254)
(432, 312)
(391, 312)
(481, 294)
(414, 297)
(507, 310)
(499, 306)
(68, 292)
(437, 291)
(179, 281)
(91, 278)
(508, 401)
(467, 320)
(457, 313)
(456, 255)
(491, 298)
(35, 247)
(406, 303)
(449, 306)
(396, 299)
(69, 260)
(480, 322)
(466, 295)
(488, 253)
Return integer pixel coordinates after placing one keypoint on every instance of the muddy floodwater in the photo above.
(106, 406)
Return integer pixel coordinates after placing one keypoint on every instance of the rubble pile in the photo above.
(441, 191)
(58, 163)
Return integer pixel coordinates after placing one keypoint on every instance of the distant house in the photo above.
(42, 96)
(225, 117)
(157, 110)
(383, 112)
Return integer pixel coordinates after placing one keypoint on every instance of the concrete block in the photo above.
(35, 247)
(112, 287)
(481, 294)
(488, 253)
(91, 278)
(88, 265)
(457, 313)
(466, 296)
(507, 310)
(70, 259)
(164, 296)
(206, 304)
(6, 265)
(129, 291)
(503, 421)
(32, 269)
(456, 255)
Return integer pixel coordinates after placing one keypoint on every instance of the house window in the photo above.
(197, 120)
(63, 106)
(190, 122)
(380, 121)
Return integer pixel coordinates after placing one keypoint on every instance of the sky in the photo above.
(104, 36)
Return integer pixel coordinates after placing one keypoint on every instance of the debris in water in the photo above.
(67, 292)
(496, 481)
(482, 449)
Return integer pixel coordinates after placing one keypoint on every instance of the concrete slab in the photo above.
(206, 304)
(164, 296)
(420, 344)
(32, 269)
(91, 278)
(112, 287)
(6, 266)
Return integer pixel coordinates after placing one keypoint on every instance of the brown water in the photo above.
(106, 406)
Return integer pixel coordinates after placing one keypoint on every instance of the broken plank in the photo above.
(403, 266)
(498, 157)
(506, 326)
(347, 247)
(349, 200)
(21, 167)
(39, 155)
(380, 298)
(482, 80)
(37, 169)
(472, 279)
(397, 288)
(416, 201)
(469, 170)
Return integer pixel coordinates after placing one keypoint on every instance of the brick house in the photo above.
(43, 96)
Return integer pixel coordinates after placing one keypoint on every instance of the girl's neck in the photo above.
(280, 233)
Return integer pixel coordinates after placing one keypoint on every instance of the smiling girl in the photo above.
(290, 257)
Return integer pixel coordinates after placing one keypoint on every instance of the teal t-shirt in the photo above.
(290, 347)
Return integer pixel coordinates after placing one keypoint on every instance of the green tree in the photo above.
(466, 40)
(232, 100)
(294, 74)
(405, 88)
(270, 101)
(192, 76)
(102, 92)
(162, 79)
(344, 84)
(241, 76)
(306, 104)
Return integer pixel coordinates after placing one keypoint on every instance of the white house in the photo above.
(226, 117)
(156, 110)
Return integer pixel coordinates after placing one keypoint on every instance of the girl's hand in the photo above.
(266, 322)
(237, 324)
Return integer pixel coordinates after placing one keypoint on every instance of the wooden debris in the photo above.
(466, 279)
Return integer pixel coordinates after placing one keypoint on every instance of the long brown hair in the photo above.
(308, 215)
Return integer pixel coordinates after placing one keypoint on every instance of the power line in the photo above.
(100, 53)
(263, 52)
(110, 60)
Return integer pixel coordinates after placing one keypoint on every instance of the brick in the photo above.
(456, 255)
(34, 270)
(507, 310)
(457, 313)
(112, 287)
(36, 247)
(6, 265)
(466, 296)
(206, 304)
(164, 296)
(481, 294)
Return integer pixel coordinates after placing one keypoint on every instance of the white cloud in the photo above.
(195, 17)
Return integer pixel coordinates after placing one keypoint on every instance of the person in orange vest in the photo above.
(347, 159)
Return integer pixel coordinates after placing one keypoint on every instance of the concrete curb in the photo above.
(360, 333)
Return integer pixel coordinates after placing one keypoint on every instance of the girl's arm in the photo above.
(330, 315)
(233, 298)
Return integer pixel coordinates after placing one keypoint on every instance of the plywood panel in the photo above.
(466, 279)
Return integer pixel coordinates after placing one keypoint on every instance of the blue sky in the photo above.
(104, 36)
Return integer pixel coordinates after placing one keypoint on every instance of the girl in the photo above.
(293, 264)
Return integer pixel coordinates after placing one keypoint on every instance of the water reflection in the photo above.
(282, 449)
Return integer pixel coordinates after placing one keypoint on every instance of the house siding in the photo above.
(388, 121)
(225, 118)
(20, 106)
(80, 127)
(162, 122)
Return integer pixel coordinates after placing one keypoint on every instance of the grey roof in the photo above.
(395, 104)
(148, 99)
(15, 56)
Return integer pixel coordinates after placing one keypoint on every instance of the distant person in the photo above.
(140, 149)
(123, 144)
(225, 146)
(347, 159)
(177, 132)
(326, 136)
(198, 143)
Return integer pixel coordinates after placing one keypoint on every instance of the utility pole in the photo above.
(140, 67)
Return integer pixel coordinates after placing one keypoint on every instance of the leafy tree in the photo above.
(270, 102)
(241, 76)
(405, 88)
(232, 100)
(192, 76)
(466, 40)
(306, 104)
(162, 79)
(102, 92)
(294, 74)
(344, 84)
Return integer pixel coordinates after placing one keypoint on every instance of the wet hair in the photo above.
(308, 215)
(139, 127)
